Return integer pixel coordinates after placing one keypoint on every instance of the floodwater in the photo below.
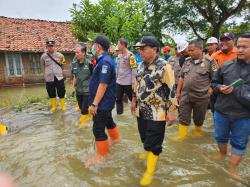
(45, 149)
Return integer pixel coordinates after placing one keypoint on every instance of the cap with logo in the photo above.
(227, 36)
(50, 42)
(148, 41)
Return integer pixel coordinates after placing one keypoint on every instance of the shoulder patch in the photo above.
(104, 69)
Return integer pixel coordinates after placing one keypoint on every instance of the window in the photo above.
(35, 65)
(14, 64)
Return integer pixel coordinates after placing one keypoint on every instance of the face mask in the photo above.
(93, 51)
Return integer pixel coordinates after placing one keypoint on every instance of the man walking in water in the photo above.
(154, 102)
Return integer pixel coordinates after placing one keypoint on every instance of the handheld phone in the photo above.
(237, 83)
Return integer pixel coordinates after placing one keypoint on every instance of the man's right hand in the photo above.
(226, 89)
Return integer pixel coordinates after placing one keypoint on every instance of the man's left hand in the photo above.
(93, 110)
(171, 117)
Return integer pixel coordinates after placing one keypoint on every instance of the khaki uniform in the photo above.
(197, 75)
(54, 74)
(51, 68)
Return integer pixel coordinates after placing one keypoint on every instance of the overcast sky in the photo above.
(54, 10)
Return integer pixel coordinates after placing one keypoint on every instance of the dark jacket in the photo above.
(230, 104)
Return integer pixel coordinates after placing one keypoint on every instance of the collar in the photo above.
(101, 56)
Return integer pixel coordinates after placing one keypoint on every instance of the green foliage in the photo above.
(110, 17)
(34, 99)
(238, 29)
(201, 18)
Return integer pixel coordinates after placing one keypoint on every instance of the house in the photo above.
(22, 41)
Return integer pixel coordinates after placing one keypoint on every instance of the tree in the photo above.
(113, 18)
(204, 18)
(154, 16)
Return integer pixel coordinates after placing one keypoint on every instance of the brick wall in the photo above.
(29, 77)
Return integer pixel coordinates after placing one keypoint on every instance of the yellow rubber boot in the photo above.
(197, 131)
(83, 120)
(62, 101)
(151, 165)
(3, 129)
(143, 155)
(53, 104)
(182, 134)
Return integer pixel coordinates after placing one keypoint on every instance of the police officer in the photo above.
(53, 62)
(126, 70)
(81, 70)
(154, 102)
(193, 89)
(102, 98)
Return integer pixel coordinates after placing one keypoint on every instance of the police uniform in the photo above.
(197, 75)
(82, 73)
(125, 73)
(54, 73)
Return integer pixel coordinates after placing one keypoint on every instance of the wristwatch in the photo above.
(93, 105)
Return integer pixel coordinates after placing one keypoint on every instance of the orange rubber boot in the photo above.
(102, 152)
(114, 135)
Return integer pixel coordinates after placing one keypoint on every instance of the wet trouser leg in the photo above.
(152, 134)
(83, 103)
(119, 98)
(199, 111)
(51, 89)
(102, 120)
(128, 91)
(185, 110)
(60, 87)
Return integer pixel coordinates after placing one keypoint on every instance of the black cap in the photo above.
(227, 35)
(50, 42)
(103, 41)
(148, 41)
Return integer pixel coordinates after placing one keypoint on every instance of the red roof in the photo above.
(30, 35)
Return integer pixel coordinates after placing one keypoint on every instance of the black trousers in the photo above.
(152, 134)
(120, 90)
(57, 86)
(83, 103)
(102, 120)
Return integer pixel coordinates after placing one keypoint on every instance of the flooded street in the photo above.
(46, 149)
